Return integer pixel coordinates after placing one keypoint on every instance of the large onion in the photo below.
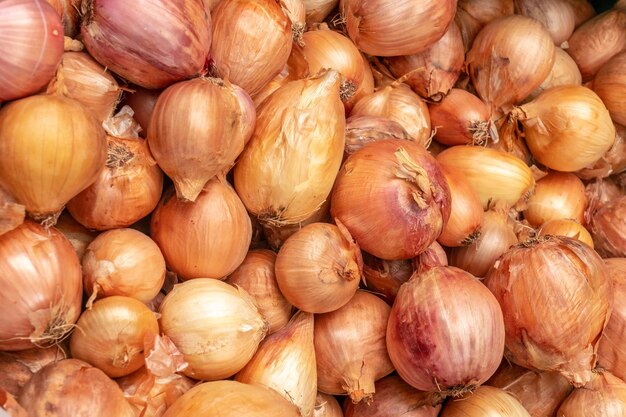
(608, 228)
(612, 347)
(610, 85)
(485, 401)
(558, 195)
(603, 396)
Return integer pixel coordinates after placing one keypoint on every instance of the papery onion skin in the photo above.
(326, 406)
(558, 195)
(485, 401)
(599, 193)
(511, 140)
(407, 203)
(12, 213)
(393, 29)
(76, 233)
(362, 130)
(31, 47)
(612, 162)
(317, 10)
(564, 72)
(68, 10)
(612, 346)
(17, 368)
(142, 101)
(384, 278)
(296, 12)
(208, 238)
(603, 396)
(182, 31)
(557, 16)
(610, 85)
(473, 15)
(277, 236)
(608, 228)
(566, 227)
(560, 330)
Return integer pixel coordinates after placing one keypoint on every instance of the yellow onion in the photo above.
(571, 295)
(612, 347)
(76, 233)
(406, 204)
(30, 49)
(70, 388)
(583, 10)
(182, 31)
(126, 190)
(594, 43)
(251, 42)
(317, 10)
(215, 326)
(558, 195)
(442, 347)
(603, 396)
(81, 78)
(473, 15)
(386, 28)
(151, 396)
(208, 238)
(68, 10)
(51, 149)
(485, 401)
(318, 269)
(432, 72)
(231, 399)
(610, 85)
(567, 127)
(289, 167)
(142, 101)
(511, 140)
(296, 12)
(556, 15)
(42, 287)
(277, 235)
(566, 227)
(285, 362)
(564, 72)
(112, 335)
(612, 162)
(398, 103)
(123, 262)
(362, 130)
(540, 393)
(257, 277)
(494, 175)
(608, 228)
(350, 347)
(11, 212)
(510, 57)
(17, 368)
(196, 131)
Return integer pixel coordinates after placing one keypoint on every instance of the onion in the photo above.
(295, 11)
(8, 404)
(68, 10)
(556, 15)
(318, 269)
(571, 296)
(612, 346)
(406, 204)
(172, 47)
(11, 212)
(17, 368)
(398, 103)
(603, 396)
(599, 193)
(251, 42)
(566, 227)
(126, 190)
(511, 140)
(215, 326)
(540, 393)
(393, 397)
(387, 28)
(485, 401)
(123, 262)
(289, 167)
(76, 233)
(608, 228)
(612, 162)
(558, 195)
(41, 287)
(350, 347)
(610, 85)
(384, 278)
(231, 399)
(326, 406)
(564, 72)
(51, 149)
(256, 276)
(317, 10)
(276, 236)
(285, 362)
(494, 175)
(142, 101)
(71, 388)
(473, 15)
(510, 57)
(583, 10)
(31, 47)
(208, 238)
(597, 41)
(197, 130)
(81, 78)
(362, 130)
(432, 72)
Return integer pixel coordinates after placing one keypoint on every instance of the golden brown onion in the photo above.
(558, 195)
(566, 227)
(17, 368)
(608, 228)
(277, 235)
(485, 401)
(603, 396)
(564, 72)
(556, 15)
(295, 10)
(612, 347)
(473, 15)
(610, 85)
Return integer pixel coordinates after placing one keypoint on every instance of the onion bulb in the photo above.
(17, 368)
(485, 401)
(295, 11)
(583, 10)
(285, 362)
(384, 278)
(566, 227)
(326, 406)
(473, 15)
(182, 31)
(572, 303)
(599, 193)
(362, 130)
(608, 228)
(610, 85)
(603, 396)
(142, 101)
(556, 15)
(612, 347)
(558, 195)
(208, 238)
(257, 277)
(69, 11)
(51, 149)
(564, 72)
(11, 212)
(318, 269)
(289, 167)
(612, 162)
(406, 204)
(276, 236)
(317, 10)
(510, 57)
(215, 326)
(76, 233)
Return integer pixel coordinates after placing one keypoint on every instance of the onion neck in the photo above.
(360, 387)
(412, 172)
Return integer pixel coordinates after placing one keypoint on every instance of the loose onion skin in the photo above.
(608, 228)
(70, 388)
(277, 236)
(31, 47)
(362, 130)
(350, 347)
(612, 162)
(603, 396)
(558, 195)
(182, 31)
(208, 238)
(560, 330)
(485, 401)
(12, 213)
(17, 368)
(565, 227)
(564, 72)
(612, 347)
(557, 16)
(76, 233)
(142, 101)
(610, 85)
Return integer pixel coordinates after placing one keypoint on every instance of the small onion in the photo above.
(567, 127)
(318, 269)
(473, 15)
(326, 406)
(485, 401)
(603, 396)
(566, 227)
(564, 72)
(384, 278)
(182, 31)
(257, 277)
(610, 85)
(558, 195)
(612, 347)
(608, 228)
(11, 212)
(350, 347)
(612, 162)
(362, 130)
(123, 262)
(277, 235)
(406, 205)
(208, 238)
(17, 368)
(142, 101)
(215, 326)
(317, 10)
(556, 15)
(571, 296)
